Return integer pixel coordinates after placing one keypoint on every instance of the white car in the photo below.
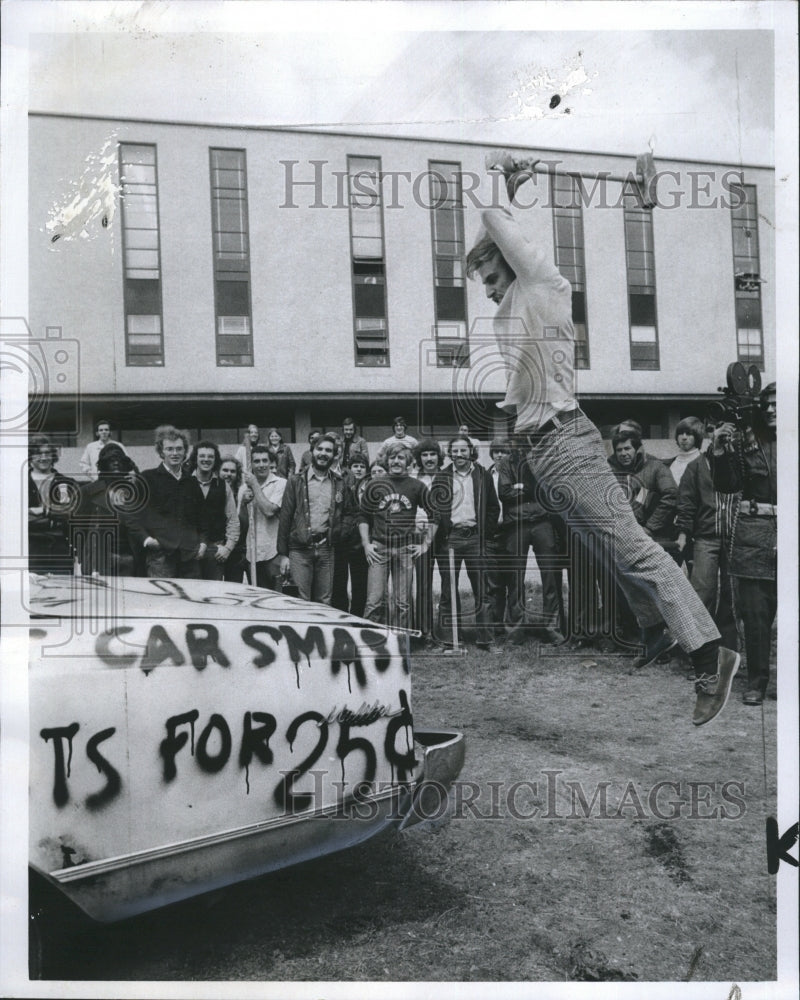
(188, 734)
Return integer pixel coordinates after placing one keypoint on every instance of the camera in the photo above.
(40, 376)
(740, 403)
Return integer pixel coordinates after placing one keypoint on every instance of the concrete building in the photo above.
(217, 276)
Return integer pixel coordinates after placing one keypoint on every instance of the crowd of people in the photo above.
(369, 538)
(656, 554)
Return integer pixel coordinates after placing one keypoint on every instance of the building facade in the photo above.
(218, 276)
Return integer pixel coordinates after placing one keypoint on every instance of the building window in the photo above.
(234, 333)
(641, 268)
(449, 284)
(368, 261)
(144, 336)
(747, 280)
(568, 240)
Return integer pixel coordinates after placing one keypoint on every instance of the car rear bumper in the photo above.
(115, 888)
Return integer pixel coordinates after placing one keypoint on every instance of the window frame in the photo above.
(142, 359)
(582, 352)
(646, 289)
(382, 358)
(228, 359)
(743, 295)
(451, 351)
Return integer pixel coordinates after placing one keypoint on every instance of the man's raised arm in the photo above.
(528, 260)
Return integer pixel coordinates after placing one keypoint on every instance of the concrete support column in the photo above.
(302, 425)
(673, 418)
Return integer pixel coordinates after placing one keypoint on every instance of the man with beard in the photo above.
(468, 508)
(535, 336)
(310, 523)
(352, 443)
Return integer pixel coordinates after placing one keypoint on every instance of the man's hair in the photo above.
(166, 432)
(460, 437)
(327, 437)
(316, 431)
(499, 443)
(484, 251)
(628, 425)
(39, 441)
(348, 420)
(213, 447)
(693, 426)
(769, 389)
(237, 482)
(626, 434)
(399, 420)
(260, 449)
(428, 444)
(398, 448)
(356, 457)
(99, 423)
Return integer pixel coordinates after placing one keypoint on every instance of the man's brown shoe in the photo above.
(713, 691)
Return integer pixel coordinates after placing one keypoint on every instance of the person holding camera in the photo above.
(744, 461)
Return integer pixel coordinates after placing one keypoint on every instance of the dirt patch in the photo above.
(662, 844)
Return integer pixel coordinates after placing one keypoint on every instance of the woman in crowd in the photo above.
(282, 453)
(689, 435)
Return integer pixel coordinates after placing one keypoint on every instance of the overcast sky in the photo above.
(698, 93)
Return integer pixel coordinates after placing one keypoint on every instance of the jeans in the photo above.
(757, 603)
(161, 563)
(423, 599)
(350, 561)
(590, 603)
(713, 585)
(210, 569)
(395, 561)
(268, 574)
(312, 571)
(540, 536)
(466, 552)
(570, 465)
